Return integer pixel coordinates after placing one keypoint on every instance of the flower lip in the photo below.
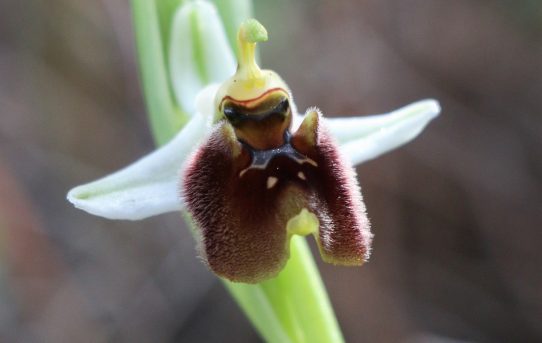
(243, 213)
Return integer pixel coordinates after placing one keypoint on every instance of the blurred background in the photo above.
(457, 213)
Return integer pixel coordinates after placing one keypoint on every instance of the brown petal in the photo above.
(344, 234)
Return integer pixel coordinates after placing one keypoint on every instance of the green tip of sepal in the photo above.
(252, 31)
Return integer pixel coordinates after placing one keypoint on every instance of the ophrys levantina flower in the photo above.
(252, 171)
(255, 182)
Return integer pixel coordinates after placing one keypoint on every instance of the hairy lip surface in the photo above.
(243, 213)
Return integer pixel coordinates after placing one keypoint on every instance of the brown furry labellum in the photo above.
(252, 175)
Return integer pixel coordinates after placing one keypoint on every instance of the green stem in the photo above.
(294, 306)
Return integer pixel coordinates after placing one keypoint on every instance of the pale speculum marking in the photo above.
(261, 158)
(301, 175)
(271, 182)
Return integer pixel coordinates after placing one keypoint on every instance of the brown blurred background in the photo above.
(457, 213)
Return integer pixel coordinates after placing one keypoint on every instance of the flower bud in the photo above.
(199, 52)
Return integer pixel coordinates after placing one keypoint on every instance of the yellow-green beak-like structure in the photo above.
(254, 183)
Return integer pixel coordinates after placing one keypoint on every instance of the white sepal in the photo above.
(149, 186)
(363, 138)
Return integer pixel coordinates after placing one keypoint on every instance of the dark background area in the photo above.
(457, 213)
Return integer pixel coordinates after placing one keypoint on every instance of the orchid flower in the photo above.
(248, 167)
(152, 185)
